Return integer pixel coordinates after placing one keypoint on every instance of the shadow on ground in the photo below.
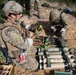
(45, 24)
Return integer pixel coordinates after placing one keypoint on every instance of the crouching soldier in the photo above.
(15, 39)
(58, 22)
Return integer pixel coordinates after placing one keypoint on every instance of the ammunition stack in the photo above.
(61, 58)
(71, 55)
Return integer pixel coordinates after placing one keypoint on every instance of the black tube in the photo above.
(5, 52)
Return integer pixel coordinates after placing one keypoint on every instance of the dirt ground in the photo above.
(71, 35)
(20, 71)
(71, 38)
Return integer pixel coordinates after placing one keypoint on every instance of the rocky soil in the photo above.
(71, 35)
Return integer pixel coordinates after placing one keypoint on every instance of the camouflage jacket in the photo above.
(11, 34)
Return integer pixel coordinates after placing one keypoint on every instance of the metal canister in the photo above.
(57, 60)
(54, 56)
(56, 52)
(53, 49)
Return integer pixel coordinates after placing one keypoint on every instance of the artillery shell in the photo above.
(56, 60)
(57, 52)
(53, 49)
(54, 56)
(53, 66)
(53, 53)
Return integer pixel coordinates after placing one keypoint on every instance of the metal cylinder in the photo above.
(57, 60)
(54, 56)
(54, 66)
(53, 49)
(52, 52)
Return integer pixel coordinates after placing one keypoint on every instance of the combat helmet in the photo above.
(54, 16)
(12, 7)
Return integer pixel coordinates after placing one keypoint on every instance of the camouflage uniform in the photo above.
(58, 19)
(11, 34)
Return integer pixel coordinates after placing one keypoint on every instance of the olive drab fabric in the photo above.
(12, 7)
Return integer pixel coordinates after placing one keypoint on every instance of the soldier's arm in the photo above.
(13, 36)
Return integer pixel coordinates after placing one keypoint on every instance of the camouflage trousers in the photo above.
(30, 62)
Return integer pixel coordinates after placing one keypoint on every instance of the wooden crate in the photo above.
(6, 69)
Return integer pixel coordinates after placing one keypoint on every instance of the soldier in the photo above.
(58, 22)
(14, 36)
